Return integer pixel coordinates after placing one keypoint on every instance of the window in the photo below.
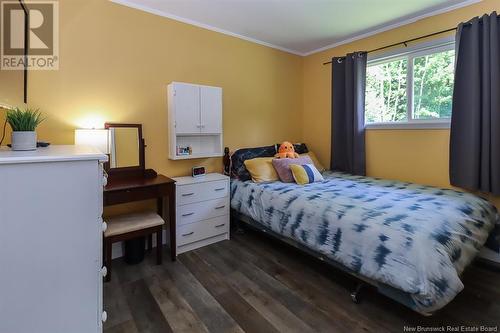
(411, 89)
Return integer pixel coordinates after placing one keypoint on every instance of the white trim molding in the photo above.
(203, 25)
(405, 125)
(393, 25)
(381, 28)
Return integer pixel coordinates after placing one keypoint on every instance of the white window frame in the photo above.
(409, 53)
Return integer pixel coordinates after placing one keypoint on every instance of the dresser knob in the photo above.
(104, 175)
(104, 271)
(104, 316)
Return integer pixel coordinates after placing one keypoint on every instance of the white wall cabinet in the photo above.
(186, 103)
(51, 240)
(211, 110)
(194, 120)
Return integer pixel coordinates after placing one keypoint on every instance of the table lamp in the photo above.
(97, 138)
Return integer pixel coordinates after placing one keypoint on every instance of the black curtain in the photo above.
(348, 113)
(475, 120)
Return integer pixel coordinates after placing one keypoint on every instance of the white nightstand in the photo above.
(202, 211)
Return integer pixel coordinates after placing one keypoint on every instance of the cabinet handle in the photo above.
(187, 194)
(220, 189)
(220, 225)
(104, 226)
(187, 214)
(104, 271)
(104, 316)
(220, 207)
(188, 234)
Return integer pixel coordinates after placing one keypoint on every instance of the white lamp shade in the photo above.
(97, 138)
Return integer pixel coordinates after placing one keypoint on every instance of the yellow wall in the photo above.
(11, 89)
(412, 155)
(116, 62)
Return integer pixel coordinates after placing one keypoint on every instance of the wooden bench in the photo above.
(130, 226)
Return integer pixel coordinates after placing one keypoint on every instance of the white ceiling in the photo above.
(297, 26)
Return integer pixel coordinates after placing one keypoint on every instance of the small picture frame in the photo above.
(184, 151)
(198, 171)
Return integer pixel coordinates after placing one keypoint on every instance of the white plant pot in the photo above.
(24, 140)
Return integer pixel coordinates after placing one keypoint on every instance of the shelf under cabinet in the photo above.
(193, 156)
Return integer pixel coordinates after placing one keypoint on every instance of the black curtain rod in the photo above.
(404, 42)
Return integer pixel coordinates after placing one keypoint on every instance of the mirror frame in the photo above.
(137, 171)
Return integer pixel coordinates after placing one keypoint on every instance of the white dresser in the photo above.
(202, 211)
(51, 240)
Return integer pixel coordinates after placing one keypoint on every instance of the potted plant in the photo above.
(23, 124)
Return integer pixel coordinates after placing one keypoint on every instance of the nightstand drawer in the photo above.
(187, 194)
(200, 230)
(202, 210)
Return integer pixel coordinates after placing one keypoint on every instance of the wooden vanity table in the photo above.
(129, 181)
(159, 187)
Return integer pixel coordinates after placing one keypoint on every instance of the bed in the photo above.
(410, 241)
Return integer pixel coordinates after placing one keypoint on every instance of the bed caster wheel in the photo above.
(355, 298)
(356, 294)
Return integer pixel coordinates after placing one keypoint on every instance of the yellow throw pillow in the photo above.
(305, 174)
(315, 160)
(261, 169)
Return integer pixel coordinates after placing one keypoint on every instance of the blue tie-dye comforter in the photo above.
(415, 238)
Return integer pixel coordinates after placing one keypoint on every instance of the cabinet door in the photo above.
(211, 109)
(187, 108)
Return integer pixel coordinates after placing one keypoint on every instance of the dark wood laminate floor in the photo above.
(254, 284)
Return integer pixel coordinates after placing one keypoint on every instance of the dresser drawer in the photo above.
(203, 229)
(202, 210)
(187, 194)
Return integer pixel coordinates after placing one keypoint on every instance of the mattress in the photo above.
(417, 239)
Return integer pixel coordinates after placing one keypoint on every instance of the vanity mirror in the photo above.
(126, 149)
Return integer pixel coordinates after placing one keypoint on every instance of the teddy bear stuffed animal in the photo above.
(286, 150)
